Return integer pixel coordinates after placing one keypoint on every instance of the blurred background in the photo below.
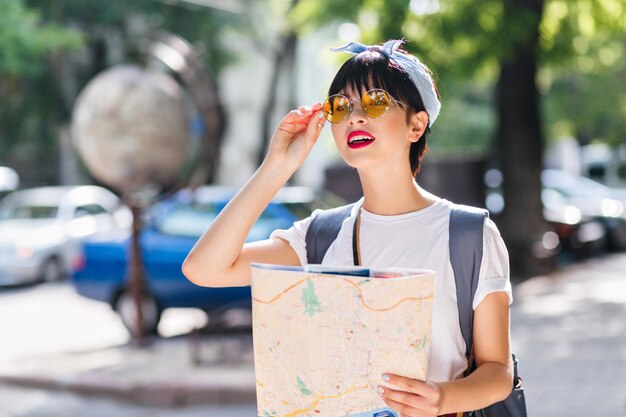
(126, 126)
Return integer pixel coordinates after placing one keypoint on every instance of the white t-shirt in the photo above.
(418, 240)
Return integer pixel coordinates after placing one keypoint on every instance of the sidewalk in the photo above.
(568, 331)
(163, 373)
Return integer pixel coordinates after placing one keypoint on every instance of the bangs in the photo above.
(372, 69)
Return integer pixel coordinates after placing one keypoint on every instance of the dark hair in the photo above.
(372, 69)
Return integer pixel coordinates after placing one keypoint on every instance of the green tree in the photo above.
(25, 43)
(50, 49)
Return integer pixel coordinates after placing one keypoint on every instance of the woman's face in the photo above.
(365, 142)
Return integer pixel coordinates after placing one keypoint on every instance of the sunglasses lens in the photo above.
(336, 108)
(375, 103)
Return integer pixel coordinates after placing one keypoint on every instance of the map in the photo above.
(323, 337)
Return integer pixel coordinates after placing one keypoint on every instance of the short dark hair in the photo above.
(373, 69)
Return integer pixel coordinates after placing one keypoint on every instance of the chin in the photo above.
(360, 163)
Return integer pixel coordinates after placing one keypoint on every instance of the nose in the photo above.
(357, 116)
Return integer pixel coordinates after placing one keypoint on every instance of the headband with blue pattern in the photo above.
(418, 72)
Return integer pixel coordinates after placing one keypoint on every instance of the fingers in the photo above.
(304, 112)
(316, 123)
(406, 402)
(316, 107)
(413, 397)
(411, 385)
(304, 118)
(404, 410)
(318, 116)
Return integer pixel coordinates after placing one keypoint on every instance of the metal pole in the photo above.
(136, 277)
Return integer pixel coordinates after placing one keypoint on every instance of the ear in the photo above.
(418, 124)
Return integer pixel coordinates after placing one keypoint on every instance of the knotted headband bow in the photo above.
(418, 73)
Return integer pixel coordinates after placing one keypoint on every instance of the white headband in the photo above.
(418, 72)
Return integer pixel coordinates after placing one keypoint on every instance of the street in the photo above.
(52, 317)
(568, 331)
(25, 402)
(47, 318)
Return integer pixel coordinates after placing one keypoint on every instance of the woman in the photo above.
(381, 105)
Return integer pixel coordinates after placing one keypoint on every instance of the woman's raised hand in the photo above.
(295, 136)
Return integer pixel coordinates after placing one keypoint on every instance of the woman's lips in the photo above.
(359, 139)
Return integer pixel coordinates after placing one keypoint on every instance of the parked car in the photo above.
(40, 229)
(9, 181)
(604, 164)
(172, 228)
(593, 200)
(580, 236)
(573, 233)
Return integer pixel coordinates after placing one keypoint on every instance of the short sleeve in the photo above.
(494, 268)
(296, 237)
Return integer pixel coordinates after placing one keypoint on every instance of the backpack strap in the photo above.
(466, 253)
(323, 231)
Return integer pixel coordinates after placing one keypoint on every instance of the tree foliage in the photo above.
(25, 39)
(581, 55)
(50, 49)
(25, 42)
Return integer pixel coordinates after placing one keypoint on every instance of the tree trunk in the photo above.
(520, 142)
(284, 60)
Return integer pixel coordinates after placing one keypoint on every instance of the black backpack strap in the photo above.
(323, 231)
(466, 253)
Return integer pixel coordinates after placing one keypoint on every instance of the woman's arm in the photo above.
(219, 258)
(492, 381)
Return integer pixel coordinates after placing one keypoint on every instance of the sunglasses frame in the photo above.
(351, 107)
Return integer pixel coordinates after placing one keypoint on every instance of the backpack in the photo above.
(466, 251)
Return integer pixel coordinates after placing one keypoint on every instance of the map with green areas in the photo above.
(322, 341)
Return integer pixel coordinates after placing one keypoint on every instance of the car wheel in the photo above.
(51, 271)
(616, 234)
(125, 307)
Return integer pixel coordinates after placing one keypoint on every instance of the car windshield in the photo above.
(191, 220)
(574, 186)
(187, 220)
(28, 212)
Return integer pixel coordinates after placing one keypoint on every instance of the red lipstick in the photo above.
(359, 139)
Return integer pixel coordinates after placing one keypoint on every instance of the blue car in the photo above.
(172, 228)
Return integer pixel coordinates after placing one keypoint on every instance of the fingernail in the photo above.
(380, 391)
(385, 377)
(320, 115)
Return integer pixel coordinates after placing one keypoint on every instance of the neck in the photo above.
(393, 191)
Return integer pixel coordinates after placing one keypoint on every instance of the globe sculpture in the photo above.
(131, 128)
(138, 132)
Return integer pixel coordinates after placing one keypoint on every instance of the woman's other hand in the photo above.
(295, 136)
(411, 397)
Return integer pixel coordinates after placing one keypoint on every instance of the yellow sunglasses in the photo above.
(375, 103)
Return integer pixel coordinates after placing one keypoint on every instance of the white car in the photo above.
(9, 180)
(41, 228)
